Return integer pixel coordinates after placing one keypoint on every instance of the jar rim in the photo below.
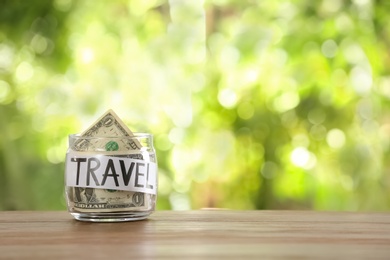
(135, 135)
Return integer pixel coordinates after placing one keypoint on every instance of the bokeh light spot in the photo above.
(335, 138)
(316, 116)
(245, 110)
(24, 71)
(87, 55)
(229, 56)
(176, 135)
(179, 201)
(344, 23)
(227, 98)
(361, 80)
(329, 48)
(384, 86)
(39, 43)
(303, 158)
(4, 91)
(62, 5)
(6, 56)
(331, 6)
(286, 101)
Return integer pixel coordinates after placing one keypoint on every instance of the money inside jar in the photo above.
(111, 172)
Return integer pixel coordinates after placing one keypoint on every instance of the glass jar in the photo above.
(111, 179)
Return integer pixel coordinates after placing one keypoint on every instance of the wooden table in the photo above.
(207, 234)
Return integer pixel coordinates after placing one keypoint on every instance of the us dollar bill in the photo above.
(108, 125)
(101, 200)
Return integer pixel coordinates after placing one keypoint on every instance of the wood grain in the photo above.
(216, 234)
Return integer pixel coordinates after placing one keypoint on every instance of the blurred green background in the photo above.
(253, 104)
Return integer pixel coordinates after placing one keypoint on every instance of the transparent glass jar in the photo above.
(111, 179)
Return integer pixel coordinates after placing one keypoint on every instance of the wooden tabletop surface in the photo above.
(203, 234)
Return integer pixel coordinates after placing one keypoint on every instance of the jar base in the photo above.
(110, 217)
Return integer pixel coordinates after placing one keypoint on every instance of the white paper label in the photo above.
(110, 172)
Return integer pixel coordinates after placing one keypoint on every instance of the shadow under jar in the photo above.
(111, 179)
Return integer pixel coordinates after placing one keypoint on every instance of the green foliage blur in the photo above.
(253, 104)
